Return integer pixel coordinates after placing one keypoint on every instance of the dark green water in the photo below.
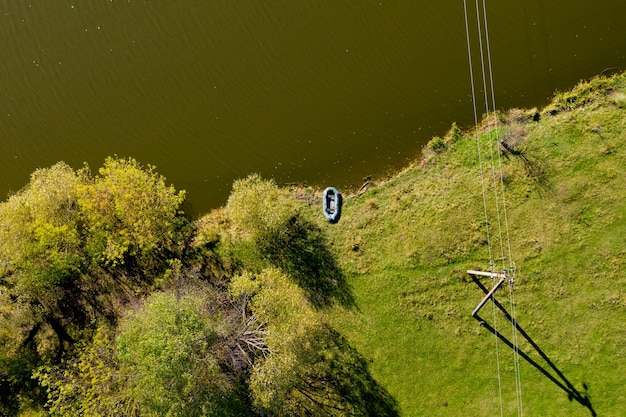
(322, 92)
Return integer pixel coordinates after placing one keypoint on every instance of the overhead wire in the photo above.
(482, 180)
(491, 112)
(511, 267)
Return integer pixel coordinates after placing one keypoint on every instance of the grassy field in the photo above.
(405, 245)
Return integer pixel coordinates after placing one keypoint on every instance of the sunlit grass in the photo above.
(407, 243)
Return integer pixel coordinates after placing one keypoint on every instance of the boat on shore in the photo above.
(331, 204)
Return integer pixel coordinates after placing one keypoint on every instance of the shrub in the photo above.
(437, 144)
(129, 212)
(260, 210)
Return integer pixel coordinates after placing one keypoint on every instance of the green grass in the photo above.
(406, 243)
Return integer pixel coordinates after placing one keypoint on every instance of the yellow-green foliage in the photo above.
(437, 144)
(295, 334)
(310, 369)
(39, 241)
(129, 209)
(165, 347)
(40, 251)
(212, 228)
(92, 385)
(59, 237)
(260, 209)
(454, 134)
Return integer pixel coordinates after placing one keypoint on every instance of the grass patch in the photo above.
(405, 246)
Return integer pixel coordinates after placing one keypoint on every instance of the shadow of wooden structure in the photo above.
(560, 380)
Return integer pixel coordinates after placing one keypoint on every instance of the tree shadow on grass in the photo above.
(344, 384)
(301, 250)
(535, 169)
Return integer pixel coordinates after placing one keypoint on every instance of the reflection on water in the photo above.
(319, 92)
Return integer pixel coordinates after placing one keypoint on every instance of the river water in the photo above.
(322, 92)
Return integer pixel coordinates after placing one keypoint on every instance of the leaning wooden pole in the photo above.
(566, 385)
(487, 297)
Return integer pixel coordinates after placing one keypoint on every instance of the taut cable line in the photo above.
(507, 274)
(511, 270)
(484, 193)
(498, 190)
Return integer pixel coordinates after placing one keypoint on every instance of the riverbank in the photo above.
(369, 316)
(406, 243)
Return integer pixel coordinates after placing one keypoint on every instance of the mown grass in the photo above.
(406, 243)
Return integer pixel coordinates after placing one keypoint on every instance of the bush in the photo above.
(129, 211)
(64, 239)
(454, 135)
(260, 210)
(437, 144)
(166, 347)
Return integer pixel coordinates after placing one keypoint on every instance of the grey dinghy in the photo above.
(331, 204)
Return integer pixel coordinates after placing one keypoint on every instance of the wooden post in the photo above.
(566, 385)
(487, 297)
(487, 274)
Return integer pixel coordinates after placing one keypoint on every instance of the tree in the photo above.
(167, 347)
(276, 225)
(130, 214)
(92, 384)
(259, 209)
(39, 239)
(62, 233)
(73, 249)
(307, 369)
(40, 263)
(160, 361)
(291, 327)
(41, 259)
